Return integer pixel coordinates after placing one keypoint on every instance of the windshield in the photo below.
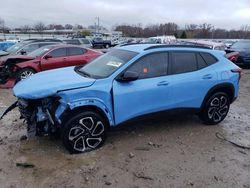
(39, 51)
(151, 40)
(107, 64)
(241, 44)
(15, 47)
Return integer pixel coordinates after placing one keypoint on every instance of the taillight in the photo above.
(239, 71)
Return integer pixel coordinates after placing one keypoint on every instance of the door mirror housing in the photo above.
(22, 52)
(128, 76)
(47, 56)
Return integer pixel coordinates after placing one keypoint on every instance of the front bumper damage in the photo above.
(6, 72)
(38, 114)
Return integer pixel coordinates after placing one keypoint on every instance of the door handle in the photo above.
(207, 76)
(163, 83)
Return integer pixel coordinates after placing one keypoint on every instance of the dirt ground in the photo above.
(175, 152)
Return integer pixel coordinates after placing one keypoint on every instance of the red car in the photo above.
(45, 58)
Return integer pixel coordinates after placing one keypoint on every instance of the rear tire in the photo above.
(84, 132)
(215, 109)
(24, 73)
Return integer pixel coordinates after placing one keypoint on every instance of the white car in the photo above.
(83, 42)
(210, 44)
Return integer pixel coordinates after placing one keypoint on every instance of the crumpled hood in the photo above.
(48, 83)
(3, 59)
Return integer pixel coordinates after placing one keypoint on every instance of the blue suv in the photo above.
(81, 103)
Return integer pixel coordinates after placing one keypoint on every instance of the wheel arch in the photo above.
(93, 108)
(228, 88)
(25, 66)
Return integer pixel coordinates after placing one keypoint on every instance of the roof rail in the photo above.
(131, 43)
(176, 46)
(43, 40)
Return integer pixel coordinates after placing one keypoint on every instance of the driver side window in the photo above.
(152, 65)
(61, 52)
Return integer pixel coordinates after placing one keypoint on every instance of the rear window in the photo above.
(85, 41)
(74, 42)
(75, 51)
(210, 59)
(201, 62)
(183, 62)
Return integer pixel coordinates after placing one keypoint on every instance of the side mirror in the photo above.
(47, 56)
(128, 76)
(23, 52)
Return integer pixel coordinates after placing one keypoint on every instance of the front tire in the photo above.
(24, 73)
(216, 108)
(84, 132)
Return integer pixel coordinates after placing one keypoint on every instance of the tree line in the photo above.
(205, 30)
(39, 27)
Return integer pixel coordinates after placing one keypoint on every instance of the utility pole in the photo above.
(98, 23)
(95, 29)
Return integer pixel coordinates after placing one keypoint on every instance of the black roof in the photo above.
(42, 40)
(176, 46)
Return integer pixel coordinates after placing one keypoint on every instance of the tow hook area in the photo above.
(10, 108)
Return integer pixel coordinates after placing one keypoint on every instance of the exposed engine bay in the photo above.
(38, 114)
(9, 68)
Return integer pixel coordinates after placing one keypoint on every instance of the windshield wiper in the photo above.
(85, 74)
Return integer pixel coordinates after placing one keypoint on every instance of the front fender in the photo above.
(94, 102)
(33, 65)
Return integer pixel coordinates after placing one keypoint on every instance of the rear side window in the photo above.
(153, 65)
(201, 62)
(47, 43)
(74, 42)
(183, 62)
(75, 51)
(210, 59)
(61, 52)
(85, 41)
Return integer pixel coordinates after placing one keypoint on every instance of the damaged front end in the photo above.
(39, 115)
(6, 72)
(9, 67)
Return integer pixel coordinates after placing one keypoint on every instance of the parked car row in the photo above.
(29, 57)
(27, 46)
(243, 48)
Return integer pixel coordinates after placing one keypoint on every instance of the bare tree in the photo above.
(25, 28)
(68, 26)
(40, 27)
(2, 27)
(244, 31)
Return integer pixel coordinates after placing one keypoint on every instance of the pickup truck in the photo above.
(99, 42)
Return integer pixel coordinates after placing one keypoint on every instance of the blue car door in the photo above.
(149, 93)
(191, 79)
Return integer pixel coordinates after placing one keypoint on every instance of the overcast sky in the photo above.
(228, 14)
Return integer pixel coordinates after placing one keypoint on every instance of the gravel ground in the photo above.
(175, 152)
